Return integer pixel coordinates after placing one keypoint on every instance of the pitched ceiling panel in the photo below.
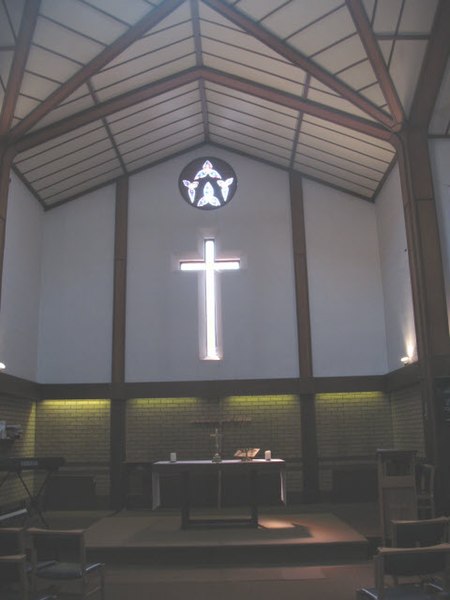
(61, 146)
(143, 49)
(258, 114)
(256, 119)
(165, 145)
(76, 188)
(250, 133)
(65, 42)
(318, 138)
(323, 33)
(37, 87)
(78, 101)
(84, 19)
(59, 165)
(101, 161)
(174, 146)
(48, 64)
(342, 54)
(405, 68)
(232, 50)
(287, 19)
(334, 157)
(7, 33)
(129, 12)
(154, 107)
(440, 122)
(418, 16)
(320, 93)
(152, 126)
(257, 9)
(346, 175)
(147, 139)
(358, 141)
(14, 10)
(84, 175)
(323, 176)
(145, 63)
(387, 14)
(150, 76)
(236, 143)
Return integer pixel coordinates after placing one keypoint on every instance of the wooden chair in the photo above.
(14, 580)
(67, 550)
(423, 532)
(417, 565)
(425, 490)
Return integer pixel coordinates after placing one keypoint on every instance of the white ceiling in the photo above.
(95, 89)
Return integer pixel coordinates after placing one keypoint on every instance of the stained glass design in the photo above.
(207, 183)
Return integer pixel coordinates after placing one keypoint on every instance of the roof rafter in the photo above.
(22, 49)
(152, 90)
(150, 20)
(300, 60)
(376, 59)
(433, 68)
(297, 103)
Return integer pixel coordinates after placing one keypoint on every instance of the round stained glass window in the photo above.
(207, 183)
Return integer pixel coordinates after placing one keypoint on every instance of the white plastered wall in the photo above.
(440, 160)
(21, 283)
(398, 303)
(75, 323)
(257, 302)
(345, 285)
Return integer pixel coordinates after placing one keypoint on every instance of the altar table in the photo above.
(184, 469)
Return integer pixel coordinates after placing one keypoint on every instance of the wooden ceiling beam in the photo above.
(314, 109)
(104, 109)
(433, 68)
(22, 50)
(150, 20)
(300, 60)
(152, 90)
(366, 34)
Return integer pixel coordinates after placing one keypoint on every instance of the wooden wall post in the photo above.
(118, 402)
(310, 452)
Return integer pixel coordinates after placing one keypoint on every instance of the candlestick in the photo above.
(268, 455)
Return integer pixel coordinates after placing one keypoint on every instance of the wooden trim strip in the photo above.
(376, 59)
(301, 276)
(22, 50)
(120, 280)
(214, 389)
(6, 158)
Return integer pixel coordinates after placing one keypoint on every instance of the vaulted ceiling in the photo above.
(95, 89)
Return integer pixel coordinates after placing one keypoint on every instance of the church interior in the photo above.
(149, 147)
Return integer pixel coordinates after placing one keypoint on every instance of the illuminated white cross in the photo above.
(209, 266)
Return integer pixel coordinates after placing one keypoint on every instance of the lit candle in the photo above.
(268, 455)
(173, 457)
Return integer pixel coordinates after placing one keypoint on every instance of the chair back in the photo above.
(419, 533)
(411, 562)
(58, 545)
(12, 541)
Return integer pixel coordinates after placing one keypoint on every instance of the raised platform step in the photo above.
(132, 537)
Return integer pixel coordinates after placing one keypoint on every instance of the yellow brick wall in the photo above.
(158, 426)
(350, 428)
(407, 420)
(78, 430)
(23, 413)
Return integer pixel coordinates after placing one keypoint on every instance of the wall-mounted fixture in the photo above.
(405, 360)
(2, 366)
